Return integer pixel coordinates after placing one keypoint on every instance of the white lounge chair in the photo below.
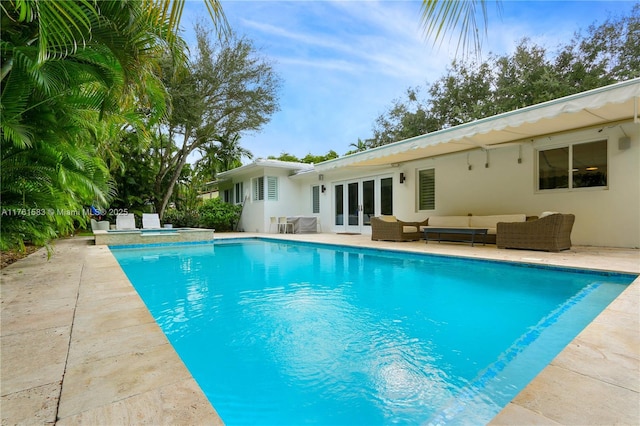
(126, 221)
(150, 221)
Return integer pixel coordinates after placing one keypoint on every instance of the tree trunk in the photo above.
(172, 183)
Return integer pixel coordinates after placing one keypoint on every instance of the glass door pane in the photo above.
(386, 196)
(368, 201)
(352, 194)
(339, 194)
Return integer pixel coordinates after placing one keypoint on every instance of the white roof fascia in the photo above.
(261, 163)
(571, 112)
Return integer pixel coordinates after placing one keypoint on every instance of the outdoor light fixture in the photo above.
(520, 154)
(320, 177)
(323, 188)
(402, 178)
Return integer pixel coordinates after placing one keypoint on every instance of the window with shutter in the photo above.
(315, 199)
(258, 189)
(272, 188)
(427, 189)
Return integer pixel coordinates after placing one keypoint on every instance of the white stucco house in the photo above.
(579, 154)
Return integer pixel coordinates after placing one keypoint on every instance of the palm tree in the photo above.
(71, 73)
(442, 16)
(229, 153)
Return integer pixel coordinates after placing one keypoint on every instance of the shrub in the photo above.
(182, 218)
(219, 215)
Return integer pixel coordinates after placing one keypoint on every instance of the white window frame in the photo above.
(419, 188)
(570, 187)
(239, 192)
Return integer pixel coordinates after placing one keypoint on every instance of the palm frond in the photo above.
(441, 17)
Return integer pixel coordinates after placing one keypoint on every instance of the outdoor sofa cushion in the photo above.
(490, 222)
(449, 221)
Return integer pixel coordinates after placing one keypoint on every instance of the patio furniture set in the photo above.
(550, 232)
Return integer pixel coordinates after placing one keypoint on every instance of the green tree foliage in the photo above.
(218, 215)
(358, 146)
(227, 90)
(227, 154)
(470, 91)
(285, 156)
(315, 159)
(309, 158)
(68, 72)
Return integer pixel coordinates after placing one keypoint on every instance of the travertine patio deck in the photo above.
(78, 345)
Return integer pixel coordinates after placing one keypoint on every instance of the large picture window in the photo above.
(582, 165)
(427, 189)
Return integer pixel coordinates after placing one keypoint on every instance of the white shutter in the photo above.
(315, 199)
(272, 188)
(427, 189)
(258, 189)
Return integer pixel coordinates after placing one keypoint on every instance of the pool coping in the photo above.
(78, 345)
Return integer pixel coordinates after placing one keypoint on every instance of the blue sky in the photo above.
(343, 63)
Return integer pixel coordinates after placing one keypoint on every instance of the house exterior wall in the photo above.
(604, 216)
(256, 214)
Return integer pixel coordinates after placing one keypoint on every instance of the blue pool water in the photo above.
(294, 333)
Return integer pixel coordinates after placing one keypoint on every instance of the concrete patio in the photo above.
(78, 345)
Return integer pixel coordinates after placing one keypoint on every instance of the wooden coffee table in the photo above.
(467, 231)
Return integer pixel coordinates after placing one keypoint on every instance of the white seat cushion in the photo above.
(449, 221)
(408, 229)
(492, 221)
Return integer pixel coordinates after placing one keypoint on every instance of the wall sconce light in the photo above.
(321, 177)
(402, 178)
(323, 188)
(520, 154)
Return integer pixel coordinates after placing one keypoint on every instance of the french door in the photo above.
(357, 201)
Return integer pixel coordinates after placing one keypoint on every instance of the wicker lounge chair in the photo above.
(550, 233)
(388, 228)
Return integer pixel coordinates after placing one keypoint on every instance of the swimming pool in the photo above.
(291, 333)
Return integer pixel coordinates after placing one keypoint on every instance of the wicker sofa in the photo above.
(389, 228)
(550, 233)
